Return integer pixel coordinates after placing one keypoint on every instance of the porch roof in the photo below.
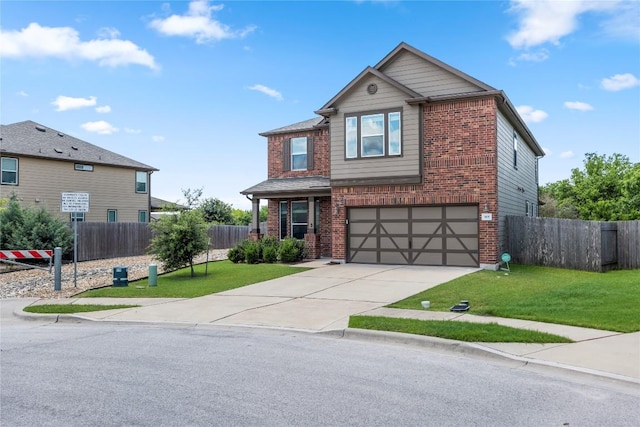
(287, 187)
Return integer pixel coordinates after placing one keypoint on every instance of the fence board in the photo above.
(575, 244)
(104, 240)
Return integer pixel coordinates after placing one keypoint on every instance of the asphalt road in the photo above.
(126, 375)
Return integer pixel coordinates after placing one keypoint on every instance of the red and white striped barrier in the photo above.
(26, 254)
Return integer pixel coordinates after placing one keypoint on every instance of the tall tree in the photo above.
(215, 211)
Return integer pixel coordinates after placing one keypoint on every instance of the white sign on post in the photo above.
(74, 202)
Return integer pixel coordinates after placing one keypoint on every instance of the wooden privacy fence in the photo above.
(103, 240)
(575, 244)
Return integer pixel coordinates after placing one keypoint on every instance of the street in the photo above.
(92, 374)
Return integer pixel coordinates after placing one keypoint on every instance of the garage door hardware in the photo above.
(463, 306)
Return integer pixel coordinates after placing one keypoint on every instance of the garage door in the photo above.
(416, 235)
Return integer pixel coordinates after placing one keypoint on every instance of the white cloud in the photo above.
(132, 131)
(22, 93)
(529, 115)
(108, 33)
(157, 138)
(267, 91)
(197, 23)
(547, 21)
(101, 127)
(103, 109)
(620, 82)
(539, 56)
(577, 105)
(64, 103)
(65, 43)
(566, 154)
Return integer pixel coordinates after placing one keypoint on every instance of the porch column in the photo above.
(311, 238)
(255, 234)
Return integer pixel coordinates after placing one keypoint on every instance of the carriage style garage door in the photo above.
(420, 235)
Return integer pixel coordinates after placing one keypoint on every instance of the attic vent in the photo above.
(41, 128)
(74, 148)
(57, 150)
(372, 88)
(60, 134)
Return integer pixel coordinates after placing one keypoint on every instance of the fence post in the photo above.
(57, 268)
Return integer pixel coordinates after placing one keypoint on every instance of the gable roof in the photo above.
(32, 139)
(309, 124)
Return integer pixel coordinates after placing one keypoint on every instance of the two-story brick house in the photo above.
(413, 162)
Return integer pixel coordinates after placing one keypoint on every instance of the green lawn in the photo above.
(223, 275)
(609, 301)
(72, 308)
(454, 330)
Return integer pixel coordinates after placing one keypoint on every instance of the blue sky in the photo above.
(187, 86)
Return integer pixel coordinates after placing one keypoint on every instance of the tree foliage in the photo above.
(30, 228)
(179, 238)
(215, 211)
(241, 217)
(607, 189)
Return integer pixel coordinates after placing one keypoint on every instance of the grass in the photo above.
(223, 275)
(609, 301)
(72, 308)
(461, 331)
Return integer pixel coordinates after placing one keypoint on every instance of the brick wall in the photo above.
(320, 154)
(460, 167)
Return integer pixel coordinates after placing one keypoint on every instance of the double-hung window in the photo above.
(141, 182)
(299, 215)
(373, 135)
(299, 154)
(9, 171)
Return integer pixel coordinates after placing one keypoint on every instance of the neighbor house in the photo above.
(412, 162)
(38, 164)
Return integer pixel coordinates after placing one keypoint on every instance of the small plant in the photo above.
(252, 251)
(292, 250)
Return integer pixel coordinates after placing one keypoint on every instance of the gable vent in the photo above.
(41, 128)
(57, 150)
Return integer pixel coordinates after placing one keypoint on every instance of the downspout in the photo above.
(149, 197)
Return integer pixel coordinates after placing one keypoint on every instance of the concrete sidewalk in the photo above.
(322, 300)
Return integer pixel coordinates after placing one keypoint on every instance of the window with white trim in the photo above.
(373, 135)
(299, 154)
(9, 171)
(141, 182)
(299, 215)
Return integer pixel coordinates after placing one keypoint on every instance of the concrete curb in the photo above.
(477, 350)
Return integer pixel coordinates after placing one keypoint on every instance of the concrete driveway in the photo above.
(319, 299)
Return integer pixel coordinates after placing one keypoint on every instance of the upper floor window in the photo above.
(141, 182)
(82, 167)
(515, 149)
(299, 154)
(9, 170)
(373, 135)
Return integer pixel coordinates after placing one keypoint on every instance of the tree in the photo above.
(215, 211)
(179, 238)
(608, 189)
(28, 228)
(264, 213)
(192, 197)
(241, 217)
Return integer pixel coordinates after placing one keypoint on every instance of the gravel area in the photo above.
(36, 283)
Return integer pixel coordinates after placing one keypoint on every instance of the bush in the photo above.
(270, 254)
(292, 250)
(236, 254)
(252, 251)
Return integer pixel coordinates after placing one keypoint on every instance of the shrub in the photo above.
(270, 254)
(292, 250)
(252, 252)
(270, 241)
(236, 254)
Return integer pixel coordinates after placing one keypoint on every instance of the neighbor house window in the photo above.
(515, 149)
(9, 170)
(373, 135)
(141, 182)
(82, 167)
(142, 216)
(299, 154)
(77, 216)
(299, 219)
(283, 220)
(112, 215)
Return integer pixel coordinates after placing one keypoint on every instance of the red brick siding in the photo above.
(460, 167)
(320, 154)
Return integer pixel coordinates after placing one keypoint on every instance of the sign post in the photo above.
(75, 203)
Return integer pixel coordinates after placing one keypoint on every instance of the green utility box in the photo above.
(120, 276)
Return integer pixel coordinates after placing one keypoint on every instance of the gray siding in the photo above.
(359, 100)
(511, 199)
(426, 78)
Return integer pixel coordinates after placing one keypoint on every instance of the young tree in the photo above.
(192, 197)
(179, 238)
(215, 211)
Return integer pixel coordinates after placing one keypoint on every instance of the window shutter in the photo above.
(286, 154)
(310, 153)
